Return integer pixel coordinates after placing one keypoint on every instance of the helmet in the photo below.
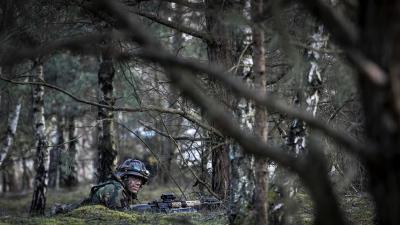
(133, 167)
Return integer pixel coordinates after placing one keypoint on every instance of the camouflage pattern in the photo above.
(112, 194)
(133, 167)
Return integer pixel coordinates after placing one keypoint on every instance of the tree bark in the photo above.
(54, 159)
(220, 51)
(106, 146)
(69, 177)
(39, 193)
(380, 40)
(167, 145)
(10, 132)
(3, 181)
(242, 164)
(12, 178)
(55, 155)
(261, 122)
(26, 178)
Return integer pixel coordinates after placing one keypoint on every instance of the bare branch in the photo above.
(179, 27)
(155, 52)
(187, 164)
(225, 123)
(155, 155)
(191, 5)
(85, 43)
(271, 102)
(179, 138)
(190, 116)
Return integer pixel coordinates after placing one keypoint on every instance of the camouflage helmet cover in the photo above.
(133, 167)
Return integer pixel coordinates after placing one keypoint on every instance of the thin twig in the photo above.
(192, 117)
(179, 138)
(187, 165)
(155, 155)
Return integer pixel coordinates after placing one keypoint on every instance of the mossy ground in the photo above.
(99, 215)
(14, 210)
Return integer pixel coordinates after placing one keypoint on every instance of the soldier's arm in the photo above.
(112, 197)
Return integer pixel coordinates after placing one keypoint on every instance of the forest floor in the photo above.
(14, 210)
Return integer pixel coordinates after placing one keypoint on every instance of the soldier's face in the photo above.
(134, 184)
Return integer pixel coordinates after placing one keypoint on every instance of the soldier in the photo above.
(117, 193)
(121, 190)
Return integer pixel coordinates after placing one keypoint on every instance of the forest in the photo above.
(285, 112)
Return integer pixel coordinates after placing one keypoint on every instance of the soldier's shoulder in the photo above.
(108, 186)
(111, 194)
(111, 185)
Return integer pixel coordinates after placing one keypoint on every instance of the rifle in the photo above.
(169, 204)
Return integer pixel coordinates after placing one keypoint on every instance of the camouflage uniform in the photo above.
(111, 194)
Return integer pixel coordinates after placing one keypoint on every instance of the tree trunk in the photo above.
(297, 132)
(380, 39)
(57, 159)
(9, 178)
(55, 155)
(39, 198)
(26, 184)
(220, 51)
(10, 132)
(69, 176)
(261, 122)
(12, 178)
(3, 181)
(65, 160)
(242, 165)
(106, 146)
(221, 170)
(54, 159)
(167, 145)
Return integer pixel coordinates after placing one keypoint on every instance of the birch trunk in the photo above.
(10, 132)
(298, 132)
(39, 185)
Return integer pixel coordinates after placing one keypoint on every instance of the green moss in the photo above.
(359, 209)
(93, 215)
(208, 218)
(101, 215)
(15, 210)
(18, 204)
(43, 220)
(3, 223)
